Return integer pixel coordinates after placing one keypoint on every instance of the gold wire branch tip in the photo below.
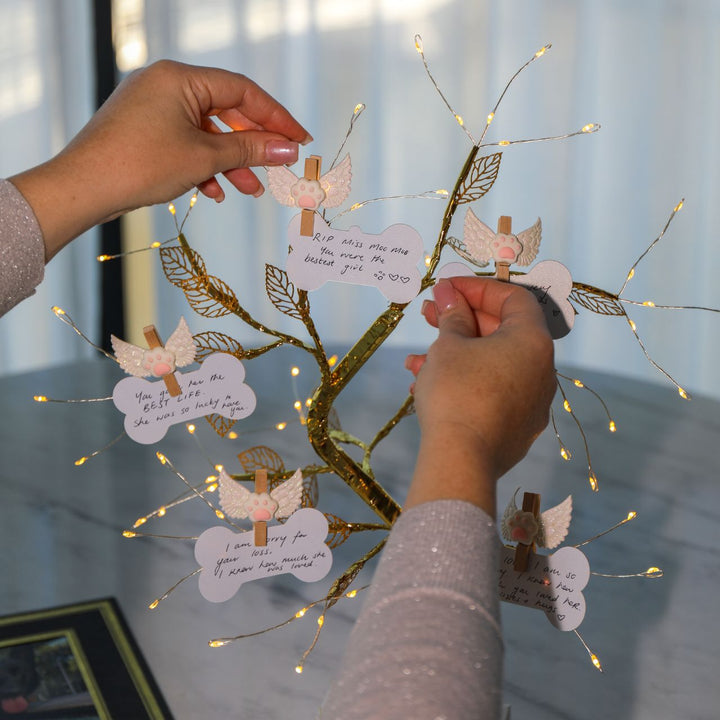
(543, 50)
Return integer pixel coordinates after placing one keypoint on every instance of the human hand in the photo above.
(482, 391)
(155, 139)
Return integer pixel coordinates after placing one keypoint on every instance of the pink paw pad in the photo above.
(506, 248)
(261, 507)
(159, 362)
(308, 194)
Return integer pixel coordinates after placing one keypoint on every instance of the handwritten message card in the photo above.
(230, 559)
(387, 261)
(217, 387)
(552, 583)
(550, 282)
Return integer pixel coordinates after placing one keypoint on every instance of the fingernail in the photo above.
(259, 191)
(308, 139)
(281, 152)
(408, 361)
(445, 295)
(427, 304)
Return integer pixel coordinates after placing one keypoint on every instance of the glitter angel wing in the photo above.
(280, 182)
(288, 495)
(233, 496)
(330, 191)
(478, 238)
(336, 183)
(182, 344)
(554, 524)
(178, 351)
(547, 531)
(129, 357)
(530, 241)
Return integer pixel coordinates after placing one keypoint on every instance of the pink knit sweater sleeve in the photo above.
(428, 643)
(22, 250)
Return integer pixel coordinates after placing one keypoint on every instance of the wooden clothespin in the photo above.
(260, 527)
(504, 227)
(531, 504)
(153, 341)
(312, 172)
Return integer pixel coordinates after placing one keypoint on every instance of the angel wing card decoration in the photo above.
(297, 546)
(528, 527)
(312, 190)
(217, 387)
(483, 244)
(260, 506)
(157, 361)
(550, 281)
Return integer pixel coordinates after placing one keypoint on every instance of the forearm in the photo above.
(64, 202)
(453, 464)
(428, 641)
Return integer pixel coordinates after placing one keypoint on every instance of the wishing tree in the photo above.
(213, 297)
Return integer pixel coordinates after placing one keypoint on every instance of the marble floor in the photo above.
(657, 640)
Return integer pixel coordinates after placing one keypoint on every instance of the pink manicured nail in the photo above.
(281, 152)
(445, 295)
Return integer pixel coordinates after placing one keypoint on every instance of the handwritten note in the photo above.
(550, 282)
(217, 387)
(230, 559)
(387, 261)
(552, 583)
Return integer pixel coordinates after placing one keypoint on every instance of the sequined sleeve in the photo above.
(428, 642)
(22, 250)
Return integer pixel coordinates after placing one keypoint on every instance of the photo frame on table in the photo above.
(75, 661)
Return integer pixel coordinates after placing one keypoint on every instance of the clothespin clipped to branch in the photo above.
(260, 527)
(153, 341)
(531, 504)
(312, 172)
(502, 269)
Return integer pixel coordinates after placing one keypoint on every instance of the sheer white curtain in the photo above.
(46, 96)
(648, 71)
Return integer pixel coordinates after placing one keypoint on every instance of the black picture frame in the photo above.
(82, 662)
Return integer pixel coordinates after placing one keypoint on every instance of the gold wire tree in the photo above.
(212, 297)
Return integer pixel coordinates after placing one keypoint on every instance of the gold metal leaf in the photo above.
(480, 179)
(282, 293)
(310, 492)
(461, 249)
(341, 584)
(261, 456)
(221, 425)
(181, 265)
(211, 342)
(595, 300)
(210, 296)
(338, 531)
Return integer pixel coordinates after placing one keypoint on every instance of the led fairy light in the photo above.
(64, 317)
(356, 113)
(222, 642)
(612, 427)
(593, 657)
(440, 194)
(158, 600)
(592, 477)
(82, 460)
